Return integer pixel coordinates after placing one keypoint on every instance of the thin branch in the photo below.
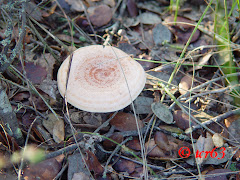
(217, 119)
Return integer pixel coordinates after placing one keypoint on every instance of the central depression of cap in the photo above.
(96, 80)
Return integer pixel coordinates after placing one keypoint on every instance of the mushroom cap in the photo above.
(100, 79)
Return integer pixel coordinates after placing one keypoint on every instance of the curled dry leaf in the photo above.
(185, 84)
(183, 145)
(217, 140)
(49, 122)
(93, 163)
(151, 6)
(178, 177)
(38, 102)
(82, 22)
(171, 129)
(109, 145)
(237, 155)
(125, 122)
(161, 140)
(234, 134)
(58, 131)
(49, 87)
(47, 61)
(228, 121)
(182, 29)
(201, 146)
(202, 61)
(101, 15)
(22, 96)
(147, 65)
(223, 155)
(55, 127)
(153, 150)
(182, 119)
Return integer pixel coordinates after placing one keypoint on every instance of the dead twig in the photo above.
(217, 119)
(129, 159)
(203, 85)
(113, 153)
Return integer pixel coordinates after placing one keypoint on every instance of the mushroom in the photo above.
(101, 79)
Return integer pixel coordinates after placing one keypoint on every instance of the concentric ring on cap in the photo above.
(96, 80)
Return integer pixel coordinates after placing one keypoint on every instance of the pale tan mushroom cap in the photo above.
(96, 81)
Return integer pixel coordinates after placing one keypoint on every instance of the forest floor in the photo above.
(185, 122)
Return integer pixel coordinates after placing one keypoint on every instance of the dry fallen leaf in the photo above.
(134, 144)
(123, 165)
(217, 140)
(155, 152)
(58, 131)
(182, 29)
(202, 146)
(185, 84)
(234, 133)
(109, 145)
(125, 122)
(137, 173)
(75, 5)
(202, 61)
(162, 112)
(34, 11)
(162, 141)
(47, 61)
(35, 73)
(80, 176)
(182, 119)
(55, 127)
(161, 34)
(143, 105)
(77, 166)
(46, 170)
(149, 18)
(100, 15)
(132, 8)
(93, 163)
